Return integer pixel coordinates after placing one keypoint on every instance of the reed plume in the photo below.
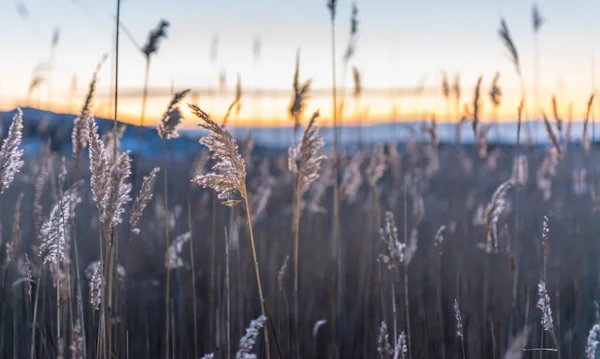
(593, 340)
(248, 341)
(305, 171)
(150, 48)
(54, 231)
(141, 201)
(171, 118)
(493, 211)
(79, 134)
(173, 258)
(10, 155)
(299, 97)
(228, 179)
(552, 136)
(585, 140)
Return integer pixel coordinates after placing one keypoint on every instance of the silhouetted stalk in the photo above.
(144, 100)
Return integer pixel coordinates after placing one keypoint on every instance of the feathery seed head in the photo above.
(592, 342)
(508, 42)
(459, 327)
(401, 348)
(496, 91)
(154, 38)
(383, 344)
(249, 339)
(307, 171)
(54, 232)
(536, 19)
(493, 211)
(142, 200)
(332, 6)
(173, 258)
(377, 166)
(96, 284)
(281, 274)
(171, 119)
(544, 305)
(10, 154)
(229, 173)
(438, 239)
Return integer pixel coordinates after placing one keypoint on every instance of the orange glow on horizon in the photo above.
(267, 112)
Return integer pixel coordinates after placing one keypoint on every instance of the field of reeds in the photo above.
(420, 249)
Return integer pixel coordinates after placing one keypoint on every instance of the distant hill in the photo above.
(41, 126)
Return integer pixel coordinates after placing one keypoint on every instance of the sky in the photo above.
(400, 44)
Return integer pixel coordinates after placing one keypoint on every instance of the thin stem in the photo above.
(336, 290)
(227, 294)
(167, 243)
(193, 279)
(256, 269)
(407, 311)
(144, 99)
(296, 230)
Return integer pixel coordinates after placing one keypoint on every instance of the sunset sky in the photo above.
(400, 43)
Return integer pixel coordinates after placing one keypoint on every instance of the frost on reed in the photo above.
(54, 231)
(281, 274)
(173, 258)
(171, 119)
(77, 348)
(307, 168)
(95, 284)
(249, 339)
(459, 326)
(592, 342)
(208, 356)
(383, 344)
(142, 200)
(543, 304)
(493, 211)
(108, 177)
(385, 349)
(397, 253)
(438, 239)
(229, 172)
(401, 348)
(10, 154)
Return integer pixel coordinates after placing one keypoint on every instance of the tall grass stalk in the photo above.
(229, 180)
(193, 277)
(335, 247)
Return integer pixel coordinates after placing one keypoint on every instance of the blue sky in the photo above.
(399, 42)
